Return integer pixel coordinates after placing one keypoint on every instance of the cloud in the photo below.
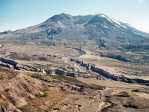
(141, 1)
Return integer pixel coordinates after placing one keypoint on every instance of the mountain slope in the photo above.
(99, 29)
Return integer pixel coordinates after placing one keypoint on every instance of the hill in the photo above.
(90, 30)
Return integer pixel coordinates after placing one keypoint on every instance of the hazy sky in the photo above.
(15, 14)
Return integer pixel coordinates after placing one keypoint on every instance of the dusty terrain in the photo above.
(46, 80)
(28, 92)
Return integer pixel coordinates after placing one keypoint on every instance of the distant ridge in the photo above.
(98, 29)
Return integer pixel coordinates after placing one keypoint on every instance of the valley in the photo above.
(74, 64)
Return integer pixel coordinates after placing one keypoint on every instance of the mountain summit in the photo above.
(98, 29)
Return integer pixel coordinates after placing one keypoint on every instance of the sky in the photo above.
(16, 14)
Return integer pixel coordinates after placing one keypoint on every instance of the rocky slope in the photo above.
(95, 30)
(27, 92)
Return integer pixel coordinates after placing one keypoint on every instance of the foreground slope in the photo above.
(28, 92)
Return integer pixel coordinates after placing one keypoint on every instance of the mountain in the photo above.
(98, 29)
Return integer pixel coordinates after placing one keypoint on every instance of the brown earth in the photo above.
(34, 91)
(31, 93)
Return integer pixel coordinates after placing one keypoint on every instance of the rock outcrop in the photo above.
(8, 63)
(108, 75)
